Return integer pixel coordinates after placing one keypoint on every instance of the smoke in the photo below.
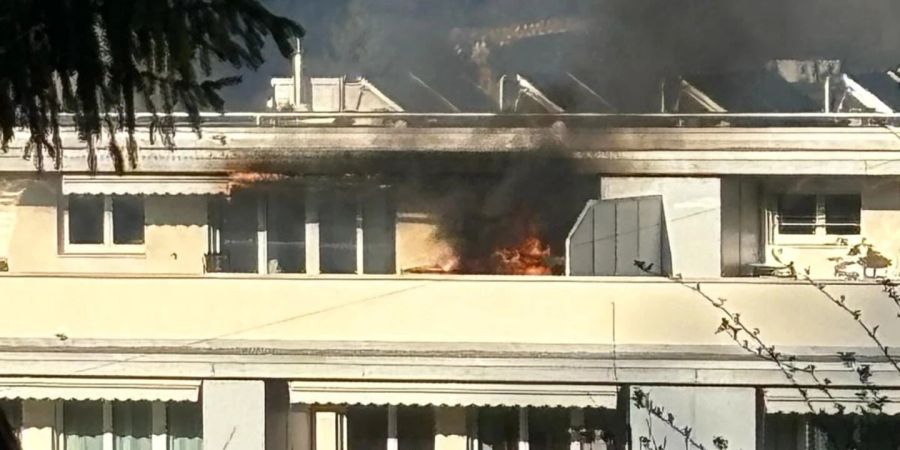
(625, 38)
(535, 196)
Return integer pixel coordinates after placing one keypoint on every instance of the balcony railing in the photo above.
(514, 120)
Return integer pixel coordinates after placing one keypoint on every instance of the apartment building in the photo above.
(379, 278)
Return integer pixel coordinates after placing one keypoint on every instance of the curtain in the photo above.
(185, 426)
(83, 425)
(132, 425)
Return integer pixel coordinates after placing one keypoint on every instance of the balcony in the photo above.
(449, 328)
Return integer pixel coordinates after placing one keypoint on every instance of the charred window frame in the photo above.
(815, 219)
(103, 224)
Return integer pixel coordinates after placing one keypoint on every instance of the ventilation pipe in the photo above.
(501, 95)
(297, 62)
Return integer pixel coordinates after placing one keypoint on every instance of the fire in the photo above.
(244, 179)
(530, 256)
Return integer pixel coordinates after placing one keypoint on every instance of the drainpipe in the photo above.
(297, 61)
(827, 94)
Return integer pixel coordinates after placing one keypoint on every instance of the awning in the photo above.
(790, 401)
(100, 389)
(453, 394)
(143, 185)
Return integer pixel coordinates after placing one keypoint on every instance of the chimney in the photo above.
(297, 62)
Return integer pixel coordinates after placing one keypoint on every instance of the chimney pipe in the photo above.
(297, 61)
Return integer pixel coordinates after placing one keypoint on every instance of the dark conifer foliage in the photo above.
(102, 60)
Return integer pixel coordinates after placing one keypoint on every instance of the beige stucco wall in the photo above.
(175, 236)
(880, 225)
(648, 311)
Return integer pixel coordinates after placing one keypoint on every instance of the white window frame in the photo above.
(311, 204)
(108, 246)
(820, 235)
(159, 439)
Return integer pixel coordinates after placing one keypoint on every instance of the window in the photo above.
(12, 410)
(252, 225)
(337, 233)
(498, 428)
(367, 427)
(830, 432)
(256, 231)
(130, 425)
(808, 218)
(98, 223)
(238, 225)
(83, 425)
(184, 426)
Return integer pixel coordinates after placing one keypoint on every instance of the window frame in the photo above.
(160, 436)
(820, 236)
(313, 198)
(108, 246)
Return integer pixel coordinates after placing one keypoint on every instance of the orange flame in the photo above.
(529, 257)
(244, 179)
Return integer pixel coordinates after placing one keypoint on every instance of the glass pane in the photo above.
(239, 228)
(184, 421)
(132, 425)
(83, 425)
(842, 214)
(286, 225)
(128, 220)
(415, 428)
(797, 214)
(498, 428)
(12, 412)
(85, 219)
(548, 428)
(367, 428)
(379, 234)
(337, 234)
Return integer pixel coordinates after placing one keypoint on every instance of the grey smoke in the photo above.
(646, 38)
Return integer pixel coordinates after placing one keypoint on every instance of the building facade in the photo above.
(312, 281)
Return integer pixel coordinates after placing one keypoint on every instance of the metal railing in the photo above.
(527, 120)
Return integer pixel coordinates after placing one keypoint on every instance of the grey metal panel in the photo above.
(650, 232)
(627, 237)
(750, 226)
(610, 235)
(604, 238)
(731, 227)
(581, 244)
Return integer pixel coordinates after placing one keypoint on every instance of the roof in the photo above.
(759, 91)
(882, 85)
